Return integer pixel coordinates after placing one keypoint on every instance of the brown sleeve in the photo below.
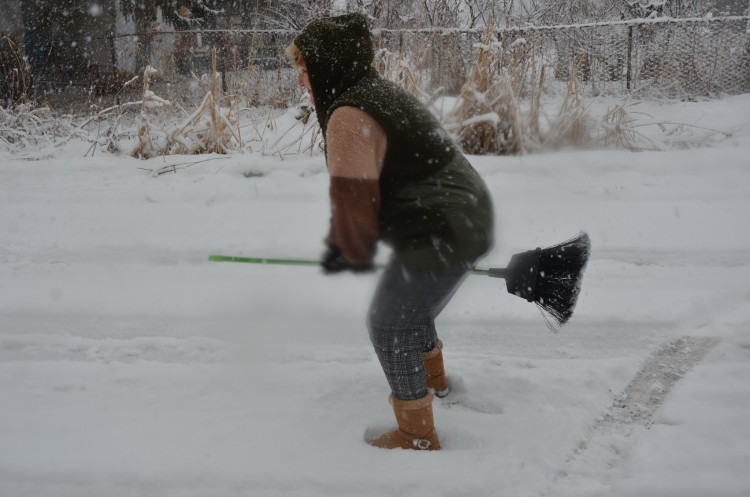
(354, 218)
(355, 150)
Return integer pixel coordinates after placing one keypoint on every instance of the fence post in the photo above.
(630, 57)
(113, 54)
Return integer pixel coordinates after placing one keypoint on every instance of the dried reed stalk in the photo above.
(487, 119)
(146, 147)
(217, 123)
(617, 128)
(210, 129)
(17, 76)
(536, 103)
(573, 123)
(400, 69)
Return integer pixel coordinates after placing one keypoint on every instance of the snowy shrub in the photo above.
(500, 111)
(39, 129)
(616, 129)
(209, 129)
(486, 119)
(573, 124)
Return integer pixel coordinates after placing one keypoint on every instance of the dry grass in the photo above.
(487, 118)
(499, 109)
(401, 69)
(537, 88)
(25, 128)
(15, 76)
(618, 129)
(573, 124)
(209, 129)
(148, 145)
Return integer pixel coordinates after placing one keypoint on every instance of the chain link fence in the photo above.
(252, 63)
(679, 58)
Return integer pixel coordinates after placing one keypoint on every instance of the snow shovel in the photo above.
(549, 277)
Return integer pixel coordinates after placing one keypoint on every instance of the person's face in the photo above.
(303, 79)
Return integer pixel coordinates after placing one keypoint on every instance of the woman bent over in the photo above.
(395, 176)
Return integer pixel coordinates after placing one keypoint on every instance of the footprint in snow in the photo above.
(469, 398)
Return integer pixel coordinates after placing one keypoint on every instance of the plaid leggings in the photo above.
(401, 322)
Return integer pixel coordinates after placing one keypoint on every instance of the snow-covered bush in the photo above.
(500, 109)
(25, 127)
(486, 119)
(211, 128)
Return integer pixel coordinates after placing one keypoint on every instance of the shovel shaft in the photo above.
(497, 272)
(261, 260)
(492, 272)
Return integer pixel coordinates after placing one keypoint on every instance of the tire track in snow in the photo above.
(603, 447)
(729, 258)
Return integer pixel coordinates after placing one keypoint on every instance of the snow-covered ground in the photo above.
(132, 366)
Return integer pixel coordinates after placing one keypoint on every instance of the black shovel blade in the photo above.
(522, 274)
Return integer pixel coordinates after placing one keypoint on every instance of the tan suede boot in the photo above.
(434, 371)
(416, 426)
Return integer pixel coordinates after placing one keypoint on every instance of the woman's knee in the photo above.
(382, 334)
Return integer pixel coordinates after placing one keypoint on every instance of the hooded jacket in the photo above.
(426, 200)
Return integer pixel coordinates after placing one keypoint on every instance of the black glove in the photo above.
(333, 262)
